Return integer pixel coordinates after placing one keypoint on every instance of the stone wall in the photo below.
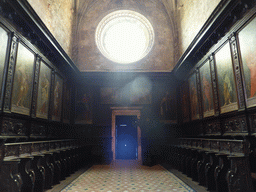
(191, 16)
(57, 15)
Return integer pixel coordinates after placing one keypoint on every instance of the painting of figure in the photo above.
(67, 103)
(247, 39)
(168, 106)
(23, 80)
(57, 98)
(206, 87)
(84, 103)
(3, 49)
(193, 97)
(43, 91)
(226, 80)
(184, 102)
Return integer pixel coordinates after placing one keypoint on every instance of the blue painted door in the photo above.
(126, 137)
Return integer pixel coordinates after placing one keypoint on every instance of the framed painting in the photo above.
(57, 98)
(206, 88)
(226, 80)
(194, 105)
(168, 107)
(108, 95)
(129, 95)
(184, 94)
(3, 50)
(23, 81)
(84, 106)
(43, 95)
(247, 41)
(67, 103)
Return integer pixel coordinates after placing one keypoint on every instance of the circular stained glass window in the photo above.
(124, 36)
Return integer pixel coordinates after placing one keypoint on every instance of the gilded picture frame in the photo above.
(84, 106)
(194, 104)
(66, 103)
(247, 42)
(184, 94)
(57, 98)
(226, 80)
(3, 50)
(23, 81)
(43, 94)
(168, 107)
(206, 89)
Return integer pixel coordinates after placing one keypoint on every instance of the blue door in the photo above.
(126, 137)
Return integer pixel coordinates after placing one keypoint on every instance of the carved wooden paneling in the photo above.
(51, 146)
(252, 119)
(2, 150)
(213, 127)
(37, 129)
(14, 127)
(25, 149)
(215, 145)
(11, 66)
(237, 70)
(36, 147)
(235, 125)
(224, 147)
(193, 143)
(238, 177)
(10, 178)
(207, 144)
(12, 150)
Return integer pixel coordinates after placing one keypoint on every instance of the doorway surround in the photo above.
(127, 111)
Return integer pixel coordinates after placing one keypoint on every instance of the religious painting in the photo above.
(43, 96)
(129, 94)
(3, 48)
(57, 98)
(247, 40)
(206, 87)
(168, 107)
(84, 106)
(67, 103)
(226, 80)
(184, 94)
(193, 97)
(23, 81)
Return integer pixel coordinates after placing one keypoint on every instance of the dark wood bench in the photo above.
(37, 165)
(219, 164)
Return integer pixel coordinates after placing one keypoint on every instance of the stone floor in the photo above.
(128, 176)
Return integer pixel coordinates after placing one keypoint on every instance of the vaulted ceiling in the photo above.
(73, 23)
(89, 13)
(176, 24)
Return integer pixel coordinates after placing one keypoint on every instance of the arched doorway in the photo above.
(126, 111)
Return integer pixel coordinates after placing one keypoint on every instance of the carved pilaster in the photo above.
(237, 70)
(35, 87)
(51, 95)
(10, 73)
(214, 85)
(199, 93)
